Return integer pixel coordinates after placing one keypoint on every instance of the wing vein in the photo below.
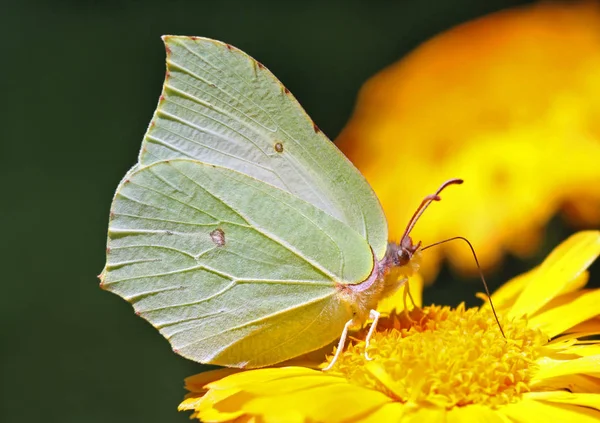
(176, 200)
(164, 247)
(174, 272)
(177, 222)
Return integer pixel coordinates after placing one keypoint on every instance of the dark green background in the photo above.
(80, 80)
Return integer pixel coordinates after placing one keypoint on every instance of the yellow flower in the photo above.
(511, 104)
(444, 364)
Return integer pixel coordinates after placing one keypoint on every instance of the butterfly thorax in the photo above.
(401, 261)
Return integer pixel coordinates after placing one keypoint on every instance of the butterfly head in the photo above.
(402, 257)
(405, 251)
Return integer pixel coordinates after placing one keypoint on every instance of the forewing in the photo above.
(222, 107)
(233, 271)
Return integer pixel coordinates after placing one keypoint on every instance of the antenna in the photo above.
(487, 291)
(425, 203)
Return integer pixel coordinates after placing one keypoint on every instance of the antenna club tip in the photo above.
(454, 181)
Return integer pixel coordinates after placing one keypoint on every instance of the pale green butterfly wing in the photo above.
(222, 107)
(232, 270)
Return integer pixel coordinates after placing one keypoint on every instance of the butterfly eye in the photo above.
(404, 256)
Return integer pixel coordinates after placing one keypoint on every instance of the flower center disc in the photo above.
(447, 357)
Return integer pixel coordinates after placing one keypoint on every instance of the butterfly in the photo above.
(243, 234)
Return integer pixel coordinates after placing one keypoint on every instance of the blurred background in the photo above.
(509, 102)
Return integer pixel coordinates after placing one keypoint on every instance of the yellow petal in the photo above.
(221, 406)
(589, 365)
(584, 350)
(586, 400)
(419, 413)
(569, 339)
(557, 320)
(293, 384)
(506, 295)
(331, 403)
(531, 411)
(258, 376)
(574, 383)
(189, 403)
(390, 412)
(577, 283)
(198, 382)
(592, 325)
(227, 397)
(379, 372)
(564, 264)
(476, 414)
(570, 292)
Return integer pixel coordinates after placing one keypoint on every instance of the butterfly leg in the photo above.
(412, 300)
(374, 314)
(404, 295)
(341, 344)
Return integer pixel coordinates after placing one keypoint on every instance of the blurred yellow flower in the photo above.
(511, 104)
(444, 364)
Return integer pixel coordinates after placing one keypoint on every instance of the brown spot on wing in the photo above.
(278, 147)
(218, 237)
(316, 128)
(229, 46)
